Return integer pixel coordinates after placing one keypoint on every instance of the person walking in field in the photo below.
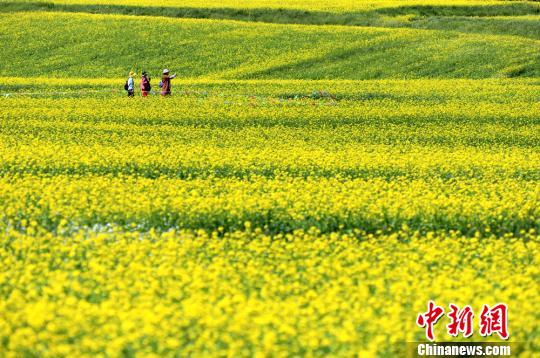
(165, 83)
(130, 84)
(145, 84)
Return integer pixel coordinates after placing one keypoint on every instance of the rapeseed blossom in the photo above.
(267, 224)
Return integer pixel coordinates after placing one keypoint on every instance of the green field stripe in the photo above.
(444, 17)
(109, 46)
(279, 205)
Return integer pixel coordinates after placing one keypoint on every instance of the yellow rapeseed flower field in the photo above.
(246, 293)
(264, 217)
(333, 5)
(322, 171)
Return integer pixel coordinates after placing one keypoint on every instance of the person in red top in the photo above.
(165, 83)
(145, 84)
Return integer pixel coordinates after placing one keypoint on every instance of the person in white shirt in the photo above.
(131, 85)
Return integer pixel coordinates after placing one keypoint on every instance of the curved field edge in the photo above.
(512, 18)
(276, 51)
(252, 9)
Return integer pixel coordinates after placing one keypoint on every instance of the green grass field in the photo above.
(321, 171)
(480, 40)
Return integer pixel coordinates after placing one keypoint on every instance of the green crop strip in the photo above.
(456, 18)
(95, 47)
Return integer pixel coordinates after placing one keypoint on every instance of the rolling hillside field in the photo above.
(321, 171)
